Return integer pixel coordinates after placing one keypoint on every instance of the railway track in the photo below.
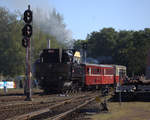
(11, 98)
(8, 101)
(16, 109)
(54, 110)
(64, 114)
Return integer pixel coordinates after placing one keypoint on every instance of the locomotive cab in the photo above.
(55, 56)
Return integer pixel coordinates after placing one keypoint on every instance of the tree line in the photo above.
(129, 48)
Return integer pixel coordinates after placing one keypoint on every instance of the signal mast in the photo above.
(27, 33)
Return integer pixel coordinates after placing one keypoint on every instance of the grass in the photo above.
(125, 111)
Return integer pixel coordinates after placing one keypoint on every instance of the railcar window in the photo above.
(109, 71)
(98, 71)
(122, 72)
(95, 71)
(88, 71)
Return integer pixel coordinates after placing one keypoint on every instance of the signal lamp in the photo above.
(27, 30)
(25, 42)
(28, 16)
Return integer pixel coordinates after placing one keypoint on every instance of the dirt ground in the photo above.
(125, 111)
(12, 92)
(133, 110)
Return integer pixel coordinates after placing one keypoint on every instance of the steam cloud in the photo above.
(51, 22)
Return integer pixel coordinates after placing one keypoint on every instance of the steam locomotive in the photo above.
(59, 70)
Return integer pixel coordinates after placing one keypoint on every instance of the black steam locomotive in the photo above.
(59, 70)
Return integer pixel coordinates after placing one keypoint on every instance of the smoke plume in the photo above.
(51, 22)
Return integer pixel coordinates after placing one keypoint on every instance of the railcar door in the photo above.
(122, 74)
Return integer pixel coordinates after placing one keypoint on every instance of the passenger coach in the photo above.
(101, 75)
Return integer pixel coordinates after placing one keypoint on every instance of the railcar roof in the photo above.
(120, 66)
(98, 65)
(105, 65)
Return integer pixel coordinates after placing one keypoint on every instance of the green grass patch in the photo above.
(125, 111)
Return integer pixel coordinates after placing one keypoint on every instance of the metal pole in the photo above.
(26, 75)
(28, 65)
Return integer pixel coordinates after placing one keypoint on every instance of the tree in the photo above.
(101, 44)
(129, 48)
(12, 54)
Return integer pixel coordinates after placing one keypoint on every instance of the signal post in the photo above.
(27, 33)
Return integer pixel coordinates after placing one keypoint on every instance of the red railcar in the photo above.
(98, 75)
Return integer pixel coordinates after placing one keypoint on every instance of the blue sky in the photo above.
(85, 16)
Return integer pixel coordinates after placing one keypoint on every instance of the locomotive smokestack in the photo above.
(48, 44)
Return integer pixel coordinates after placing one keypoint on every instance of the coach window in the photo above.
(87, 70)
(109, 71)
(98, 71)
(124, 72)
(93, 70)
